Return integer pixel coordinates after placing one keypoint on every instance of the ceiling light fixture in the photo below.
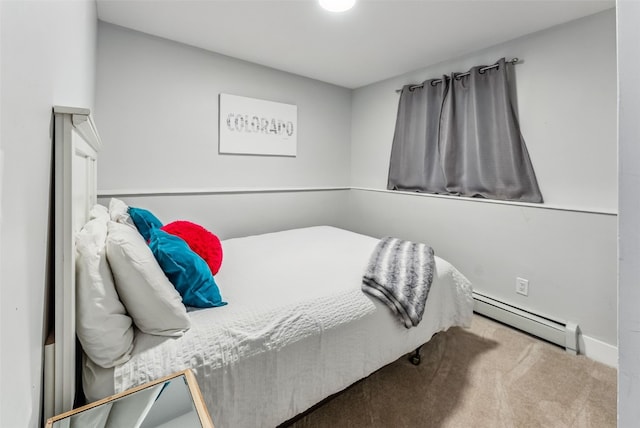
(337, 5)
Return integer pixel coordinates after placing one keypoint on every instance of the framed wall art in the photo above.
(252, 126)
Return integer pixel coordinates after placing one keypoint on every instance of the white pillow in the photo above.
(99, 211)
(119, 212)
(102, 325)
(151, 300)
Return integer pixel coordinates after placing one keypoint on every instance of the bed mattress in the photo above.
(297, 328)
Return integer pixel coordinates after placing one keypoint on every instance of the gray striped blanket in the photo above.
(400, 273)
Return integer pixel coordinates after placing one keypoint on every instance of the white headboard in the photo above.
(76, 146)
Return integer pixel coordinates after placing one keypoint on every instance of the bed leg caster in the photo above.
(415, 356)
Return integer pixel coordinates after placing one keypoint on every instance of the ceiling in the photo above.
(373, 41)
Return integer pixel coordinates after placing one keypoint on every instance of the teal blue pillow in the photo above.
(186, 270)
(144, 221)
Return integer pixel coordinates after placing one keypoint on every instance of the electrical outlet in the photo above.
(522, 286)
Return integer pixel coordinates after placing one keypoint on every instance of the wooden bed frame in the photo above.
(76, 145)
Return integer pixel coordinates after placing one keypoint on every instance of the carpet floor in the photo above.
(487, 376)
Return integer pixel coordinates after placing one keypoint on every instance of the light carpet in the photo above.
(487, 376)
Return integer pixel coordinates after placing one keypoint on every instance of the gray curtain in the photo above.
(414, 165)
(460, 136)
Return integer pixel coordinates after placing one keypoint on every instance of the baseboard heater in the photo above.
(562, 333)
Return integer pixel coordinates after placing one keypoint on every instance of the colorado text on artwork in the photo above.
(254, 124)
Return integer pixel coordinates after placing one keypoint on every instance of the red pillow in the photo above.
(200, 240)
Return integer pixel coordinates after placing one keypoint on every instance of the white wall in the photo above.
(48, 57)
(157, 110)
(629, 219)
(566, 89)
(567, 104)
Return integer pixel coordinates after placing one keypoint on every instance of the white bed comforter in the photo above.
(297, 327)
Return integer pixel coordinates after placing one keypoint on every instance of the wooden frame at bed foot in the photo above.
(175, 399)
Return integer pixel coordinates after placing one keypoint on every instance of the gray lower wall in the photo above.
(568, 257)
(233, 215)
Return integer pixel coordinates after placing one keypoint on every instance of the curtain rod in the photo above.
(482, 70)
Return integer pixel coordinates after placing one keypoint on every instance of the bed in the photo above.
(297, 327)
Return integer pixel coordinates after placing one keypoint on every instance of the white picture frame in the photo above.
(251, 126)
